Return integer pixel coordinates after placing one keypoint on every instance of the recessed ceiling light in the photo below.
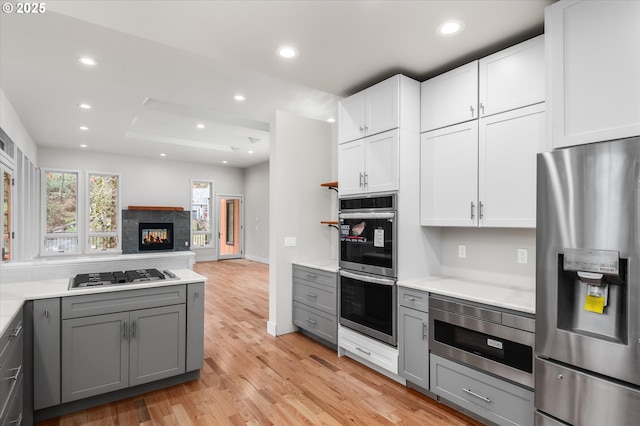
(224, 161)
(450, 27)
(84, 128)
(250, 152)
(331, 120)
(200, 126)
(287, 52)
(239, 97)
(83, 146)
(163, 154)
(87, 61)
(84, 106)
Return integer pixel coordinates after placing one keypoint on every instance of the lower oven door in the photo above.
(504, 351)
(368, 305)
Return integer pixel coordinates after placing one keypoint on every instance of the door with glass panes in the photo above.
(230, 227)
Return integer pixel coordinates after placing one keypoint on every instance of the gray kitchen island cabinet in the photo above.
(46, 353)
(112, 341)
(413, 337)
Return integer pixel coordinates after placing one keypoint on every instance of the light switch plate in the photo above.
(523, 256)
(289, 241)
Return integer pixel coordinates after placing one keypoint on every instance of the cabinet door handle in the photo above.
(46, 313)
(366, 179)
(310, 321)
(481, 210)
(313, 296)
(473, 207)
(472, 110)
(361, 179)
(133, 328)
(366, 128)
(470, 392)
(361, 129)
(363, 351)
(424, 330)
(481, 109)
(124, 330)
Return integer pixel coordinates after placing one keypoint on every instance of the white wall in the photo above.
(256, 212)
(13, 127)
(491, 255)
(300, 160)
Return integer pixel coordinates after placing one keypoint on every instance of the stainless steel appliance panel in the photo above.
(584, 399)
(588, 208)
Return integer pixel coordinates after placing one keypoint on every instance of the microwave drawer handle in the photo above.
(470, 392)
(367, 215)
(367, 279)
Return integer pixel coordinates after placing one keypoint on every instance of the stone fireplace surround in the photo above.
(134, 215)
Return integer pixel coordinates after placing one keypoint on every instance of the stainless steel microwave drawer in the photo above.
(411, 298)
(487, 396)
(122, 301)
(317, 276)
(319, 323)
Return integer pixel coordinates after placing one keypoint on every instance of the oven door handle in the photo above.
(367, 278)
(367, 215)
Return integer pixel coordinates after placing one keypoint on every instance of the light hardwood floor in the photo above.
(252, 378)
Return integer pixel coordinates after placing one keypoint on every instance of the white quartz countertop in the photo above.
(499, 295)
(329, 265)
(13, 295)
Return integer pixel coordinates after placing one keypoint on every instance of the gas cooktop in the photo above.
(119, 278)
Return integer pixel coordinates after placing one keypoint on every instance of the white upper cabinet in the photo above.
(449, 98)
(593, 71)
(483, 172)
(449, 176)
(390, 104)
(512, 78)
(369, 164)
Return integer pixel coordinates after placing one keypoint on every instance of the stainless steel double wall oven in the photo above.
(368, 266)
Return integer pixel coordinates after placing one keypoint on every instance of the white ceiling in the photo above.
(164, 66)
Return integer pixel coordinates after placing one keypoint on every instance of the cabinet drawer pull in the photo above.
(310, 321)
(16, 422)
(313, 296)
(411, 299)
(470, 392)
(16, 331)
(312, 276)
(363, 351)
(15, 376)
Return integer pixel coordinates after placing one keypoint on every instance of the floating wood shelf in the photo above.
(329, 222)
(163, 208)
(330, 184)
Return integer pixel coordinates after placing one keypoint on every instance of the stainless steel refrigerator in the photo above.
(587, 369)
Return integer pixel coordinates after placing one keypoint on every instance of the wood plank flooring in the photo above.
(253, 378)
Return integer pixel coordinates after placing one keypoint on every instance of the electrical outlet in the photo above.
(289, 241)
(462, 251)
(522, 256)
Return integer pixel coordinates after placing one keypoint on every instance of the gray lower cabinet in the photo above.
(413, 336)
(142, 339)
(46, 353)
(11, 373)
(195, 326)
(315, 302)
(487, 396)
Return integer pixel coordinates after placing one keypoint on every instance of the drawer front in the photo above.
(10, 376)
(315, 276)
(373, 351)
(415, 299)
(122, 301)
(316, 322)
(9, 338)
(315, 295)
(487, 396)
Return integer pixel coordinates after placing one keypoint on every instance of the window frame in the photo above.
(118, 233)
(210, 212)
(79, 219)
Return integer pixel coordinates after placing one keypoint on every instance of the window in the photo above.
(77, 220)
(7, 208)
(103, 212)
(201, 229)
(61, 212)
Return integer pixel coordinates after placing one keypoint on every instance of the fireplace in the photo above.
(155, 236)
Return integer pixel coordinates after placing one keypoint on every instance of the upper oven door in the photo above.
(368, 242)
